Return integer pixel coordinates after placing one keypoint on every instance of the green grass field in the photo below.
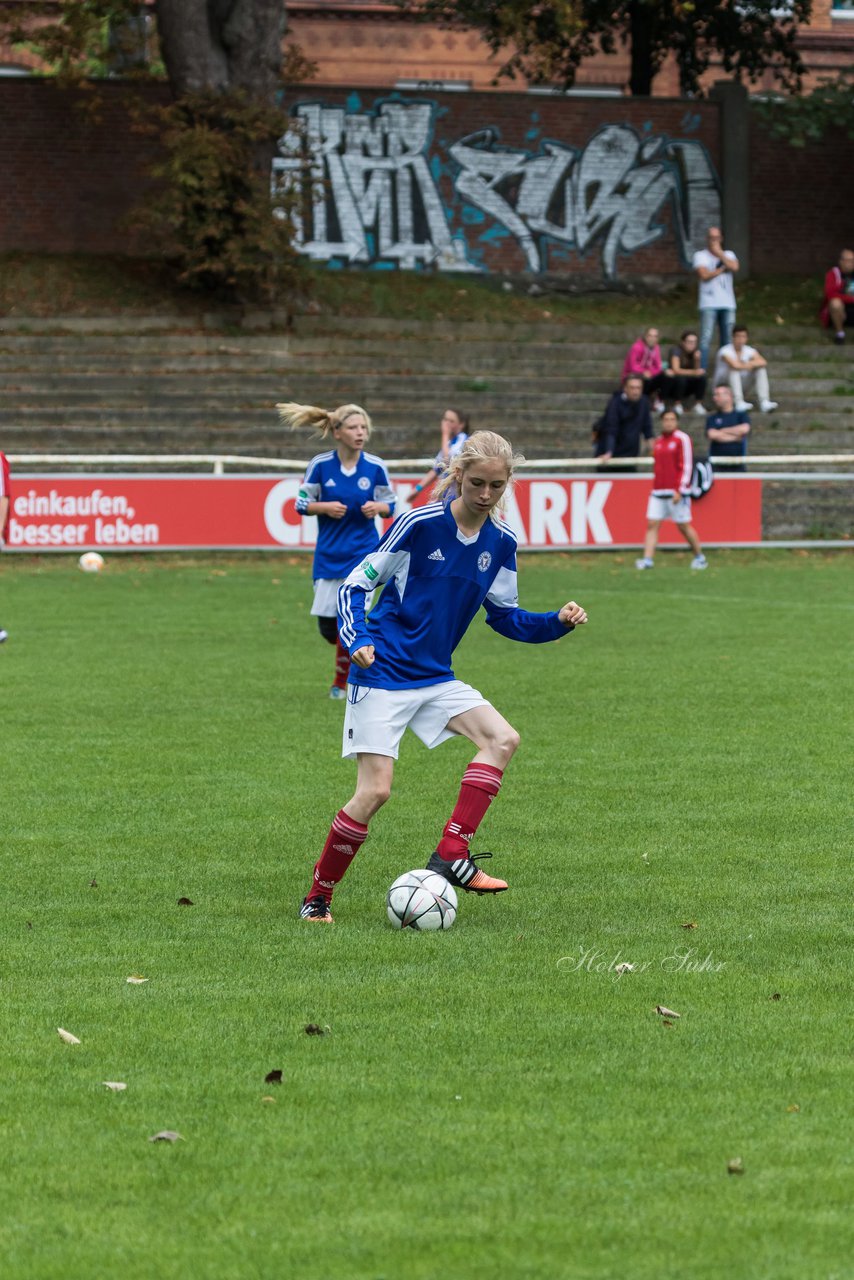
(493, 1102)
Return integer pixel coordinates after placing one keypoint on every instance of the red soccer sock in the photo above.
(345, 839)
(481, 783)
(342, 666)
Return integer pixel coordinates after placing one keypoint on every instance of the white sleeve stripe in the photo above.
(315, 462)
(405, 522)
(687, 460)
(504, 592)
(348, 627)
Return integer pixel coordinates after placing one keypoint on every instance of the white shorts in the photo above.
(676, 509)
(375, 719)
(326, 597)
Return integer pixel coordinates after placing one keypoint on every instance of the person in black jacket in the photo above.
(627, 423)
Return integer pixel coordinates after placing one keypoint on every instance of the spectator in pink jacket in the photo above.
(644, 360)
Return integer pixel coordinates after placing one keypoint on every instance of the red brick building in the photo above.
(372, 42)
(365, 43)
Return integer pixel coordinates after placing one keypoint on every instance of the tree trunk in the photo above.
(222, 45)
(641, 40)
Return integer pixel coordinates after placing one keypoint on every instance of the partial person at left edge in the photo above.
(5, 507)
(346, 489)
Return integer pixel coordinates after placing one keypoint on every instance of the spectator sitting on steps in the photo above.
(626, 427)
(837, 309)
(686, 376)
(739, 363)
(644, 358)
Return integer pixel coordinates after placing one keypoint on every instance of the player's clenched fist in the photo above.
(572, 615)
(364, 657)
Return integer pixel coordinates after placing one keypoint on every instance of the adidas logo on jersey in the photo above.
(436, 555)
(346, 849)
(330, 483)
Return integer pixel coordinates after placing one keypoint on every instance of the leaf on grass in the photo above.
(67, 1036)
(267, 1098)
(645, 857)
(185, 902)
(312, 1029)
(29, 924)
(735, 1166)
(117, 1086)
(793, 1107)
(667, 1013)
(776, 996)
(625, 967)
(689, 924)
(166, 1135)
(93, 884)
(135, 979)
(273, 1077)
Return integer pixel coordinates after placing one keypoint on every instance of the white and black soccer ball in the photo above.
(422, 900)
(91, 562)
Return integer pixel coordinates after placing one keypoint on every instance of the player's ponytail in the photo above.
(481, 446)
(299, 417)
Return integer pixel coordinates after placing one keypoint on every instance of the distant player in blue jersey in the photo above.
(455, 432)
(346, 489)
(440, 563)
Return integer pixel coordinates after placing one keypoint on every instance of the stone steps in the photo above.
(201, 391)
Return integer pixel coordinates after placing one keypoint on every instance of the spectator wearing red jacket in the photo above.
(643, 359)
(673, 463)
(4, 513)
(837, 308)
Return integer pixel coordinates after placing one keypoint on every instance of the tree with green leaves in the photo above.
(548, 41)
(212, 212)
(805, 119)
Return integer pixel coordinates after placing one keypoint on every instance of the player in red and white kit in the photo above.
(673, 462)
(4, 513)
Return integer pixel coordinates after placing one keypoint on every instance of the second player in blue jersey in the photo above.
(346, 489)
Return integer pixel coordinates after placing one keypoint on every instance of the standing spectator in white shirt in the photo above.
(714, 266)
(741, 367)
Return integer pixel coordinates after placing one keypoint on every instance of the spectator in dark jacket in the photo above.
(627, 423)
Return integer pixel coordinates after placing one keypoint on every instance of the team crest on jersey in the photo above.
(484, 560)
(364, 482)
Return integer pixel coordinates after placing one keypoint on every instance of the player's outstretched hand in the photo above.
(572, 615)
(364, 657)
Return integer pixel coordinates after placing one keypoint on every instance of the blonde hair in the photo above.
(481, 446)
(324, 421)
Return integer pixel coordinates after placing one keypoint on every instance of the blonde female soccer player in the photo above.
(440, 563)
(346, 489)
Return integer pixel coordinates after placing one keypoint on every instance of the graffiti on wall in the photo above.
(373, 189)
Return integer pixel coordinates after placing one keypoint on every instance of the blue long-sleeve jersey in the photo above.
(341, 544)
(437, 580)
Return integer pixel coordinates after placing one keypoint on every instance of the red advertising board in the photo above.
(239, 512)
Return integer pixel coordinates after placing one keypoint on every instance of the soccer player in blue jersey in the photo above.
(455, 432)
(440, 563)
(346, 489)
